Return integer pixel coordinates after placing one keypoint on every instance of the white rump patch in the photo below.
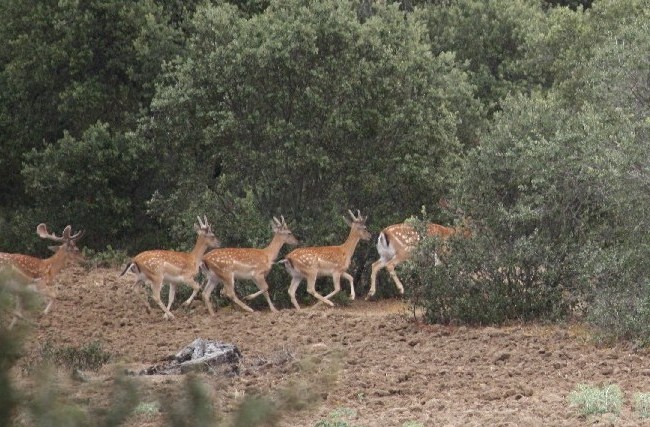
(385, 249)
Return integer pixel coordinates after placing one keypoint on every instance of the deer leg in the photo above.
(207, 292)
(156, 288)
(264, 288)
(295, 282)
(17, 313)
(229, 287)
(171, 296)
(376, 266)
(391, 269)
(196, 289)
(350, 280)
(50, 294)
(311, 289)
(336, 278)
(436, 260)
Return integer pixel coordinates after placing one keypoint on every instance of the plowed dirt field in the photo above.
(366, 364)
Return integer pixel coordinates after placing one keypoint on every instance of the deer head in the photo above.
(358, 225)
(281, 229)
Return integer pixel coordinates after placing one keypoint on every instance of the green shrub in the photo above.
(557, 217)
(256, 411)
(621, 313)
(642, 404)
(194, 409)
(149, 409)
(90, 356)
(338, 418)
(593, 400)
(481, 280)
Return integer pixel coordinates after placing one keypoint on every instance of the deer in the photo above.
(228, 264)
(158, 266)
(395, 245)
(39, 274)
(311, 262)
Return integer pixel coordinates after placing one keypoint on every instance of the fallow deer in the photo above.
(228, 264)
(158, 266)
(312, 262)
(40, 273)
(395, 244)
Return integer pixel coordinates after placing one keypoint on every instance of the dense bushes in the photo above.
(556, 212)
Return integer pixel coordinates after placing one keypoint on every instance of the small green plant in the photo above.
(642, 404)
(194, 409)
(256, 411)
(412, 424)
(148, 409)
(338, 418)
(594, 400)
(88, 357)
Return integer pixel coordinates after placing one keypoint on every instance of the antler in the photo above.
(358, 218)
(67, 236)
(68, 230)
(279, 224)
(203, 224)
(42, 232)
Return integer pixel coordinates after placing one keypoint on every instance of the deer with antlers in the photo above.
(40, 273)
(312, 262)
(228, 264)
(158, 266)
(395, 245)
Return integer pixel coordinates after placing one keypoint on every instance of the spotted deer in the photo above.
(159, 266)
(395, 245)
(37, 273)
(311, 262)
(229, 264)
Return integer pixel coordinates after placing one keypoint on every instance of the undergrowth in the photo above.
(595, 400)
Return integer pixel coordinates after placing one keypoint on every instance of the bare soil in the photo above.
(368, 362)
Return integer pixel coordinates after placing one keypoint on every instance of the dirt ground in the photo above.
(367, 364)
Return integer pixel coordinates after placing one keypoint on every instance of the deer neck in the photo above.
(273, 249)
(350, 244)
(199, 249)
(55, 263)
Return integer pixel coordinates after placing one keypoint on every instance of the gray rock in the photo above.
(200, 356)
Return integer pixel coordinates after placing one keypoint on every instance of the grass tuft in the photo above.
(594, 400)
(642, 404)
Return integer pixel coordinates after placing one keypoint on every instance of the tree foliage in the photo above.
(317, 110)
(559, 184)
(129, 119)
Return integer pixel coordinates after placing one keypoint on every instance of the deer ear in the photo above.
(54, 248)
(348, 221)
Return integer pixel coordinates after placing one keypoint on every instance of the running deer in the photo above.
(395, 244)
(228, 264)
(310, 263)
(158, 266)
(37, 273)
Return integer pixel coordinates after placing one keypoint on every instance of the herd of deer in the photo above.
(225, 265)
